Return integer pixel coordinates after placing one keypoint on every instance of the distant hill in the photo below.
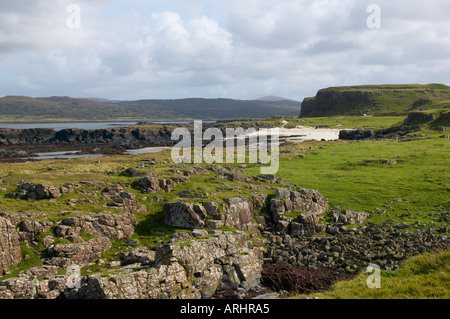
(272, 98)
(197, 108)
(97, 109)
(57, 107)
(376, 99)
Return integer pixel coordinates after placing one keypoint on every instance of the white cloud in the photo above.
(198, 44)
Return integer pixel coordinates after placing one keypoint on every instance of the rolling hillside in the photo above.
(21, 108)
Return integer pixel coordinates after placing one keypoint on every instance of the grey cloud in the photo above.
(329, 46)
(252, 48)
(268, 24)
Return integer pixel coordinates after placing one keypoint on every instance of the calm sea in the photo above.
(68, 125)
(85, 125)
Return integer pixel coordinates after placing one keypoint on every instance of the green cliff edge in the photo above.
(376, 100)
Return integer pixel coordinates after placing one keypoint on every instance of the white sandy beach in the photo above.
(309, 133)
(305, 133)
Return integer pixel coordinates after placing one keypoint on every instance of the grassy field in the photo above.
(347, 122)
(352, 176)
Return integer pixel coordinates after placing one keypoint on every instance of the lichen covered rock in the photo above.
(9, 246)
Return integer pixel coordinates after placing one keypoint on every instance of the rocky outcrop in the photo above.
(126, 136)
(148, 184)
(123, 136)
(18, 288)
(241, 212)
(141, 256)
(234, 253)
(35, 191)
(26, 136)
(153, 184)
(111, 226)
(389, 133)
(444, 119)
(183, 270)
(336, 102)
(14, 153)
(307, 226)
(16, 218)
(347, 217)
(164, 282)
(184, 215)
(234, 212)
(352, 250)
(186, 270)
(28, 286)
(306, 200)
(309, 204)
(238, 213)
(107, 227)
(30, 229)
(63, 255)
(415, 118)
(125, 201)
(9, 246)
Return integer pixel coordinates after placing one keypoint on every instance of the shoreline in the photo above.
(304, 133)
(68, 121)
(129, 144)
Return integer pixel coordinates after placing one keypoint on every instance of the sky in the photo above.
(129, 50)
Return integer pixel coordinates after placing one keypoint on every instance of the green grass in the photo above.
(422, 277)
(443, 119)
(30, 258)
(340, 171)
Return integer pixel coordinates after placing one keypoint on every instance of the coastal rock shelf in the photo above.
(127, 136)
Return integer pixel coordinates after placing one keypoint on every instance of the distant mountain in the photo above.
(376, 99)
(198, 108)
(57, 108)
(98, 99)
(97, 109)
(272, 98)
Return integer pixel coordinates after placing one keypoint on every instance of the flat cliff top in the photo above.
(432, 86)
(388, 99)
